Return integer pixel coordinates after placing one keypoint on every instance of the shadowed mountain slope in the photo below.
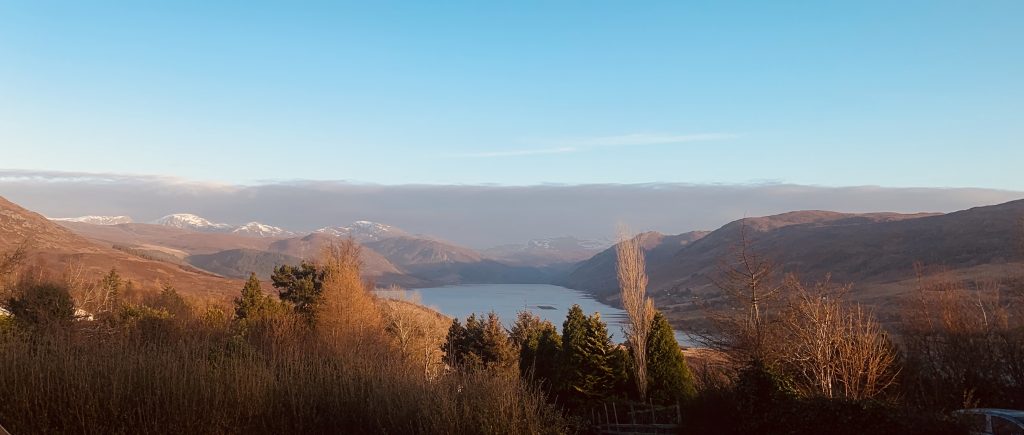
(873, 250)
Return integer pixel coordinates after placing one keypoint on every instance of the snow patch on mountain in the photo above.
(565, 243)
(256, 229)
(364, 231)
(188, 221)
(97, 220)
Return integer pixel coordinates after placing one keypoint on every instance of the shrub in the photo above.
(42, 305)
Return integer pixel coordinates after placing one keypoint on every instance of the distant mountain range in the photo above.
(544, 252)
(877, 252)
(391, 255)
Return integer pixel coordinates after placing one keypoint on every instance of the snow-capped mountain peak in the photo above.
(97, 220)
(364, 231)
(192, 222)
(257, 229)
(568, 243)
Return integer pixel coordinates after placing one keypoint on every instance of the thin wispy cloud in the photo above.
(643, 139)
(572, 145)
(525, 152)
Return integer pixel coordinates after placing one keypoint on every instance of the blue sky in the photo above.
(910, 93)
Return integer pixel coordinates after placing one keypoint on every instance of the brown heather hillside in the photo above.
(416, 251)
(53, 248)
(876, 252)
(239, 263)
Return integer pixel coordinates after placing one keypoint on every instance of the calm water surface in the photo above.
(550, 302)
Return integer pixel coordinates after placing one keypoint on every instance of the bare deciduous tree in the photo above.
(632, 275)
(750, 288)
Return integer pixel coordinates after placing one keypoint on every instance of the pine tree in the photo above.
(547, 367)
(669, 377)
(454, 347)
(602, 351)
(112, 288)
(496, 349)
(480, 344)
(301, 285)
(172, 302)
(539, 348)
(587, 349)
(472, 342)
(252, 303)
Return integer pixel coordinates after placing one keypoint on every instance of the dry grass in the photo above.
(151, 372)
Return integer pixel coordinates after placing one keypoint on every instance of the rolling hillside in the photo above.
(876, 252)
(53, 248)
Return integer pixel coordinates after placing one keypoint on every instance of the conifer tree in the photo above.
(301, 285)
(252, 303)
(480, 344)
(112, 288)
(539, 347)
(454, 347)
(669, 377)
(497, 351)
(169, 300)
(547, 360)
(472, 342)
(602, 351)
(587, 350)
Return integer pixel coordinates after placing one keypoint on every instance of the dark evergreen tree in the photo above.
(472, 342)
(253, 303)
(454, 344)
(301, 285)
(480, 344)
(602, 351)
(525, 333)
(668, 376)
(547, 362)
(113, 289)
(463, 343)
(622, 381)
(587, 352)
(497, 351)
(539, 348)
(169, 300)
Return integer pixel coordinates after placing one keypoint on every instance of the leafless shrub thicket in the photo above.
(964, 344)
(833, 348)
(822, 344)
